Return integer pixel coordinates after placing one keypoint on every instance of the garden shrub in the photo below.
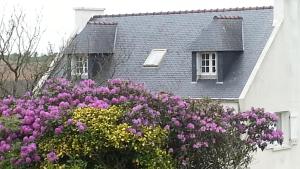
(123, 125)
(91, 132)
(217, 133)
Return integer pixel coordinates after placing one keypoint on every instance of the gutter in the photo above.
(233, 100)
(224, 100)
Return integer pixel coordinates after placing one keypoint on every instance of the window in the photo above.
(155, 57)
(284, 124)
(288, 125)
(207, 65)
(80, 66)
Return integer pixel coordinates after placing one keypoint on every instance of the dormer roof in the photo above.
(223, 33)
(96, 37)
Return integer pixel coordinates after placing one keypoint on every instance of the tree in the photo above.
(21, 67)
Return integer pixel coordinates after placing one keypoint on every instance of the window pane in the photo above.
(279, 122)
(208, 64)
(81, 64)
(284, 124)
(78, 70)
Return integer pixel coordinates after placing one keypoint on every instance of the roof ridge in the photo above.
(227, 17)
(187, 11)
(102, 23)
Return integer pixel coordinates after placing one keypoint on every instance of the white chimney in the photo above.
(278, 12)
(82, 16)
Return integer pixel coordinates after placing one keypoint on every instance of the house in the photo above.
(242, 56)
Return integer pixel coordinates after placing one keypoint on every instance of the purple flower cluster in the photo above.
(81, 127)
(259, 126)
(29, 111)
(29, 153)
(4, 147)
(52, 157)
(58, 130)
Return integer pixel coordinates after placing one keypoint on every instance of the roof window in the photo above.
(155, 57)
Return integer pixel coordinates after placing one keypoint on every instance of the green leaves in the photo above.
(11, 123)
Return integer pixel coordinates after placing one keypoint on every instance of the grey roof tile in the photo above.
(176, 31)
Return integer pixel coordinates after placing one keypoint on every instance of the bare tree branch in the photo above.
(22, 67)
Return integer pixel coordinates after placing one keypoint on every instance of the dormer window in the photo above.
(206, 65)
(155, 57)
(79, 64)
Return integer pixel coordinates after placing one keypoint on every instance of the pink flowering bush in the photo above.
(200, 134)
(216, 138)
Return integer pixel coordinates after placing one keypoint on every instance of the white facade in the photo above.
(275, 84)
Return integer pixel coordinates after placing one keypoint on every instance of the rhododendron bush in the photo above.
(123, 125)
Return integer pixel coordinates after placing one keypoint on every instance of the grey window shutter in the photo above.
(92, 66)
(194, 66)
(220, 66)
(67, 72)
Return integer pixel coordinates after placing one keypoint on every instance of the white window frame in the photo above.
(155, 57)
(82, 61)
(285, 125)
(210, 69)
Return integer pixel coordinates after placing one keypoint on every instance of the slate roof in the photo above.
(96, 37)
(177, 31)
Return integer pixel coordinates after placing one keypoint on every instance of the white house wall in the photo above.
(276, 87)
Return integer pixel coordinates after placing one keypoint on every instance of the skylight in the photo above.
(155, 57)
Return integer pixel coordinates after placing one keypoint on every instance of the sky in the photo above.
(57, 16)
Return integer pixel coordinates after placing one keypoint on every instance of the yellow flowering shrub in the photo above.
(104, 136)
(157, 159)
